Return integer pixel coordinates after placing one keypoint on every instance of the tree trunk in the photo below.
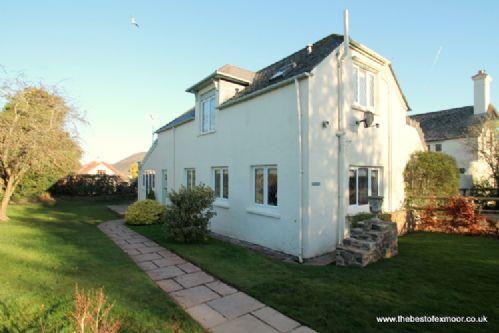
(5, 201)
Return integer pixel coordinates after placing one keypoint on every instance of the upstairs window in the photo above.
(221, 183)
(363, 88)
(208, 112)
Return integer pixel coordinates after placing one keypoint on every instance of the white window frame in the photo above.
(219, 196)
(209, 97)
(186, 177)
(265, 185)
(369, 185)
(370, 90)
(149, 181)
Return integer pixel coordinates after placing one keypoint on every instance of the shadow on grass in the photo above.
(48, 251)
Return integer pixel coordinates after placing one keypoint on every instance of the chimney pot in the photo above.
(309, 48)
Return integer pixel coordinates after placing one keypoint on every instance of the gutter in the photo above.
(264, 90)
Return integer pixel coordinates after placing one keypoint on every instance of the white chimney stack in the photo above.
(481, 82)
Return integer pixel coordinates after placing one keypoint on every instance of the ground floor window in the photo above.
(221, 182)
(265, 185)
(149, 180)
(363, 182)
(190, 178)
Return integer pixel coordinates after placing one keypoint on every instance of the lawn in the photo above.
(434, 274)
(45, 252)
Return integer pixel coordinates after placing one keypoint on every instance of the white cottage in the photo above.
(291, 149)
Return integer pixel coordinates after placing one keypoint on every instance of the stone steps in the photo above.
(372, 240)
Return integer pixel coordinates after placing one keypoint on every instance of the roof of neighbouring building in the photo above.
(452, 123)
(92, 165)
(183, 118)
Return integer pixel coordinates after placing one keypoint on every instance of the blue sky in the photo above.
(119, 76)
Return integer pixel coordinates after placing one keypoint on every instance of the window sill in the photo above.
(363, 109)
(207, 132)
(269, 212)
(221, 204)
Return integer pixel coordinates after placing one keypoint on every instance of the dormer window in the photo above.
(363, 88)
(208, 112)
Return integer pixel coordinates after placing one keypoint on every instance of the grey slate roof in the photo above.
(182, 119)
(303, 62)
(450, 124)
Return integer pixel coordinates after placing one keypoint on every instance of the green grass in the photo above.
(434, 274)
(45, 252)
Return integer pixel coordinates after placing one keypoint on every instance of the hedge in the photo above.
(93, 185)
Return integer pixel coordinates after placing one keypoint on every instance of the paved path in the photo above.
(217, 306)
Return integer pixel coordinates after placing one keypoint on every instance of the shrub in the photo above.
(151, 195)
(145, 212)
(457, 215)
(188, 215)
(431, 174)
(92, 313)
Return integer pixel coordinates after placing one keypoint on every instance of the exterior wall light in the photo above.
(368, 120)
(325, 124)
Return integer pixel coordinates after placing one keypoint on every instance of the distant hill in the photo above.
(125, 164)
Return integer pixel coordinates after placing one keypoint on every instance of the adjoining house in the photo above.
(454, 132)
(292, 149)
(100, 168)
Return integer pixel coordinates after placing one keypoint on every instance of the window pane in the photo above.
(225, 173)
(371, 89)
(272, 187)
(362, 87)
(217, 183)
(356, 84)
(374, 182)
(438, 147)
(206, 116)
(154, 180)
(259, 185)
(352, 187)
(363, 186)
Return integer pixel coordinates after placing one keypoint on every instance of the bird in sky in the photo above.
(133, 22)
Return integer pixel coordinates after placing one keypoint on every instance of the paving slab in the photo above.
(165, 273)
(194, 279)
(275, 319)
(169, 285)
(189, 268)
(149, 249)
(206, 316)
(147, 265)
(244, 324)
(235, 305)
(145, 257)
(164, 262)
(221, 288)
(194, 296)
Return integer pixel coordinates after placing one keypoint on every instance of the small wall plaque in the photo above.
(316, 183)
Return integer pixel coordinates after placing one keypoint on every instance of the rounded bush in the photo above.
(145, 212)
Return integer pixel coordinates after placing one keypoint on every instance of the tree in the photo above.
(483, 143)
(134, 170)
(36, 136)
